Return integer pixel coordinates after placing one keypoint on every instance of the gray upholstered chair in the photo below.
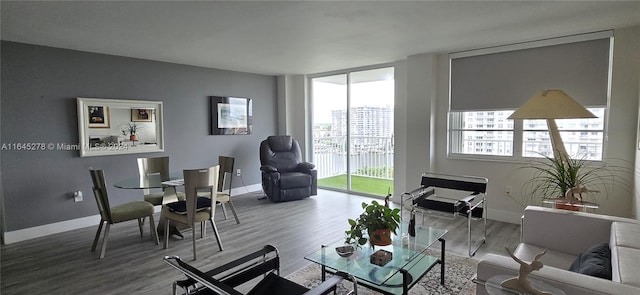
(194, 209)
(224, 181)
(285, 177)
(155, 167)
(223, 196)
(111, 215)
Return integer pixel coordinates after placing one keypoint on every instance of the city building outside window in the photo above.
(490, 134)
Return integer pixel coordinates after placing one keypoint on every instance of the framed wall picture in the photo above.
(231, 115)
(98, 116)
(141, 115)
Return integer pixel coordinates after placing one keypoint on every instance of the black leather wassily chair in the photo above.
(264, 262)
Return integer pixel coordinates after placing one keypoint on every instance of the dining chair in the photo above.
(155, 167)
(111, 215)
(226, 176)
(195, 209)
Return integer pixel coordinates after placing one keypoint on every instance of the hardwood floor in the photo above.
(63, 264)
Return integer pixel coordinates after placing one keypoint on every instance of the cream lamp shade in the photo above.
(550, 105)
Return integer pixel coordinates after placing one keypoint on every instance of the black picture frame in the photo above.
(230, 115)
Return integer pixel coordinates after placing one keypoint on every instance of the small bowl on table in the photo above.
(345, 251)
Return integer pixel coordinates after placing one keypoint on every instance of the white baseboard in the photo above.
(49, 229)
(20, 235)
(246, 189)
(504, 216)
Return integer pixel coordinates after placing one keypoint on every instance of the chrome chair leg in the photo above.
(166, 233)
(193, 239)
(103, 250)
(140, 223)
(224, 211)
(152, 228)
(95, 240)
(233, 210)
(215, 232)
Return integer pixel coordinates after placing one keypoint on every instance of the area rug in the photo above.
(458, 274)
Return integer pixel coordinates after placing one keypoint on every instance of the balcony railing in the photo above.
(370, 156)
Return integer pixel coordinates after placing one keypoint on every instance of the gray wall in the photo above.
(39, 90)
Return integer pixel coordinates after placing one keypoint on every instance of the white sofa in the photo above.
(566, 234)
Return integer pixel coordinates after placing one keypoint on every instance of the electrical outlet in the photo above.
(238, 172)
(77, 196)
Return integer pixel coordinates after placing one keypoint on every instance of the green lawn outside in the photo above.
(369, 185)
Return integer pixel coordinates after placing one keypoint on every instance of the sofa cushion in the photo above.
(180, 207)
(627, 266)
(625, 235)
(596, 262)
(570, 282)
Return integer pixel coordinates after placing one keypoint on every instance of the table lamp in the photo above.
(551, 105)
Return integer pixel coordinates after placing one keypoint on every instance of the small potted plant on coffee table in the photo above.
(378, 221)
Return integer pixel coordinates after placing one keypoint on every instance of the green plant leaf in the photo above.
(554, 177)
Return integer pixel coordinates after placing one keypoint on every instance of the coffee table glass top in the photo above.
(407, 257)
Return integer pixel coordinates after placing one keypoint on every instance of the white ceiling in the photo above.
(299, 37)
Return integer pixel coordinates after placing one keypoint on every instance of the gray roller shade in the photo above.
(505, 80)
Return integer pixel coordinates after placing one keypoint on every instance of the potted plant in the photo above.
(568, 179)
(378, 221)
(131, 128)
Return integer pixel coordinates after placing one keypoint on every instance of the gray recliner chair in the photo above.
(285, 177)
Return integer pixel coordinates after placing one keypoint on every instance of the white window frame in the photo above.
(457, 140)
(517, 140)
(601, 110)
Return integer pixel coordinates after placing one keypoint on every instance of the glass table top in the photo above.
(152, 181)
(406, 257)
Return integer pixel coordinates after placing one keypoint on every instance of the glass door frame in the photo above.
(310, 116)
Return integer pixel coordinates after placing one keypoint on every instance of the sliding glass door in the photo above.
(353, 130)
(329, 95)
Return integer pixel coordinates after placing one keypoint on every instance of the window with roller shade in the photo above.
(488, 85)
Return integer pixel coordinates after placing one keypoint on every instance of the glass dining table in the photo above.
(155, 181)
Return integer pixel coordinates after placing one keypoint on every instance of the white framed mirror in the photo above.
(118, 126)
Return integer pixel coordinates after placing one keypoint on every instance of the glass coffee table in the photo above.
(409, 262)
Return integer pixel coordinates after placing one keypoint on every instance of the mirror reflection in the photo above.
(113, 126)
